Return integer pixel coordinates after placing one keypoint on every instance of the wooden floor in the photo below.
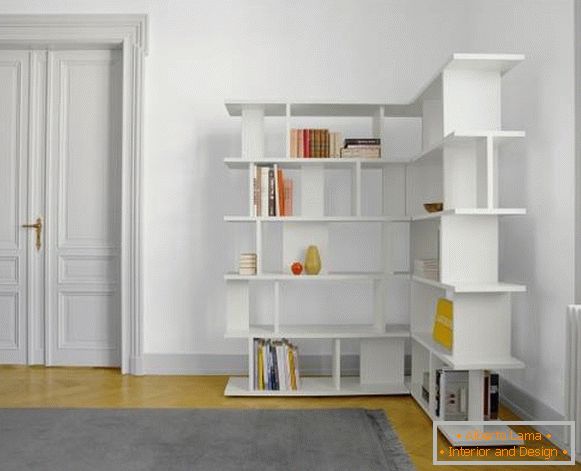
(106, 388)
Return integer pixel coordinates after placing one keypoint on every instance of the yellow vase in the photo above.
(312, 260)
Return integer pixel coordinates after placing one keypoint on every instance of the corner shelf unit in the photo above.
(461, 138)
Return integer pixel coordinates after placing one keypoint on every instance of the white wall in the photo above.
(205, 51)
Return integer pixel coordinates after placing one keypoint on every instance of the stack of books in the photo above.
(276, 365)
(247, 264)
(273, 193)
(427, 268)
(314, 143)
(361, 148)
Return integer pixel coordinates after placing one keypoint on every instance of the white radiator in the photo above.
(573, 371)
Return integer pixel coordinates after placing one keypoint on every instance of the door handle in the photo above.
(37, 226)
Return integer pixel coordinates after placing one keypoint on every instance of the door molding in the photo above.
(130, 34)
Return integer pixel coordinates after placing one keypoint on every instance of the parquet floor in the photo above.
(106, 388)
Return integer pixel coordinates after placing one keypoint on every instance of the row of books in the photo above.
(451, 394)
(276, 365)
(273, 193)
(322, 143)
(314, 143)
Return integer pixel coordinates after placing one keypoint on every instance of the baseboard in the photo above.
(528, 407)
(209, 364)
(136, 366)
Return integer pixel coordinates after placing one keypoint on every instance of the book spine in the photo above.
(275, 383)
(494, 396)
(263, 191)
(486, 412)
(319, 143)
(300, 143)
(438, 392)
(362, 142)
(306, 143)
(295, 350)
(292, 370)
(256, 193)
(312, 143)
(293, 144)
(327, 144)
(280, 359)
(276, 191)
(267, 364)
(261, 366)
(287, 370)
(288, 197)
(271, 191)
(280, 192)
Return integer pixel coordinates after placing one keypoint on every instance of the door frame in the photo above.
(129, 33)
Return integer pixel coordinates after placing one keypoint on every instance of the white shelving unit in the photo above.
(382, 341)
(461, 138)
(461, 135)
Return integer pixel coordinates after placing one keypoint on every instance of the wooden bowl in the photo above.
(433, 207)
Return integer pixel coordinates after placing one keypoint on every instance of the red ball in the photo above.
(297, 268)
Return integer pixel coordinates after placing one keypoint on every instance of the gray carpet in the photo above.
(198, 439)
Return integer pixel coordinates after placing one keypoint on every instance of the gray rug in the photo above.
(198, 439)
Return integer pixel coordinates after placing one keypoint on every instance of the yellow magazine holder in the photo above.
(444, 322)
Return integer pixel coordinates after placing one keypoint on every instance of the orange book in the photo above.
(300, 144)
(288, 197)
(306, 143)
(312, 143)
(280, 195)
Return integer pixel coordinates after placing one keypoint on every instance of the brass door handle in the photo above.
(37, 226)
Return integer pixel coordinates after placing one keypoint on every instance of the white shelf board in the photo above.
(271, 107)
(317, 219)
(319, 386)
(487, 62)
(285, 162)
(457, 137)
(472, 287)
(320, 331)
(324, 108)
(451, 432)
(472, 212)
(426, 340)
(306, 278)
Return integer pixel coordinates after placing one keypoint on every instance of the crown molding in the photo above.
(62, 30)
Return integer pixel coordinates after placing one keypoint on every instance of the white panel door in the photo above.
(14, 80)
(83, 208)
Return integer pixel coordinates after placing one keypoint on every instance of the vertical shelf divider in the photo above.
(250, 364)
(337, 363)
(276, 314)
(356, 185)
(288, 130)
(259, 264)
(251, 177)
